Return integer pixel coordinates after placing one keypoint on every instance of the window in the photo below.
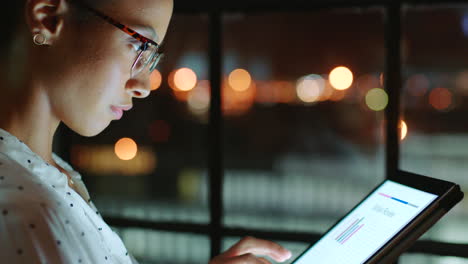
(284, 151)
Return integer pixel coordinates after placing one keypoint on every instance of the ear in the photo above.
(46, 17)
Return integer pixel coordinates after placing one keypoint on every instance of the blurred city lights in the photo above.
(125, 149)
(310, 88)
(337, 95)
(440, 98)
(464, 23)
(403, 130)
(364, 84)
(284, 91)
(461, 82)
(240, 80)
(327, 91)
(155, 80)
(101, 160)
(185, 79)
(417, 84)
(377, 99)
(199, 98)
(237, 102)
(188, 184)
(341, 78)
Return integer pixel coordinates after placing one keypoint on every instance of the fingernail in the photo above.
(288, 254)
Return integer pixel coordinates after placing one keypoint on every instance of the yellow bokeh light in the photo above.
(403, 130)
(240, 80)
(126, 149)
(185, 79)
(341, 78)
(155, 80)
(377, 99)
(310, 88)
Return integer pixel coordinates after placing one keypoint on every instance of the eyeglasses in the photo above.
(148, 56)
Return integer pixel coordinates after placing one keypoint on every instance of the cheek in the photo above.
(106, 88)
(87, 105)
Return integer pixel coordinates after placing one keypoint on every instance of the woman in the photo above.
(82, 68)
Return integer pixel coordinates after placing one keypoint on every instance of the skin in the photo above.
(81, 71)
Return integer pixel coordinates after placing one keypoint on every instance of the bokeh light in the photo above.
(464, 22)
(440, 98)
(403, 130)
(126, 149)
(337, 95)
(327, 91)
(236, 103)
(364, 84)
(185, 79)
(417, 85)
(199, 98)
(101, 160)
(341, 78)
(461, 82)
(240, 80)
(310, 88)
(155, 80)
(382, 80)
(377, 99)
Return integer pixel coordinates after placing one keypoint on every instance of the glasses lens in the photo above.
(145, 58)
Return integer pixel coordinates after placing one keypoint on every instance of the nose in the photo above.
(139, 88)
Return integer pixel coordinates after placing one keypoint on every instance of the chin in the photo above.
(89, 130)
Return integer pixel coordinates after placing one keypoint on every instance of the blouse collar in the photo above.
(18, 151)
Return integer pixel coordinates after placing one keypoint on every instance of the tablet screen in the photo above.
(369, 226)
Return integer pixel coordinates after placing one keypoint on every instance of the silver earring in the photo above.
(39, 39)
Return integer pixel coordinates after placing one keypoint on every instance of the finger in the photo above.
(259, 247)
(244, 259)
(264, 261)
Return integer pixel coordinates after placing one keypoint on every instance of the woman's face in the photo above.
(87, 68)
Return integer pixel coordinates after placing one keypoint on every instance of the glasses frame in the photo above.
(146, 42)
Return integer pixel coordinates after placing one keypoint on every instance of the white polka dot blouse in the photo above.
(43, 220)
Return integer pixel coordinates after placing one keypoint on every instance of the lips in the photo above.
(118, 112)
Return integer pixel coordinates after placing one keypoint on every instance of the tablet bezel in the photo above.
(416, 181)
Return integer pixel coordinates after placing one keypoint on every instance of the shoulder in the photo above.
(11, 169)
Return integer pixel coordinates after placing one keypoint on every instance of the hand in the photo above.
(246, 251)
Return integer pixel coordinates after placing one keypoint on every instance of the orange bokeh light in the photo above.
(240, 80)
(341, 78)
(155, 80)
(440, 98)
(126, 149)
(185, 79)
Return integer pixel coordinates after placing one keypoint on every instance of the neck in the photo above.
(27, 114)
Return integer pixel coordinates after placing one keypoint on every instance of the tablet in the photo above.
(386, 222)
